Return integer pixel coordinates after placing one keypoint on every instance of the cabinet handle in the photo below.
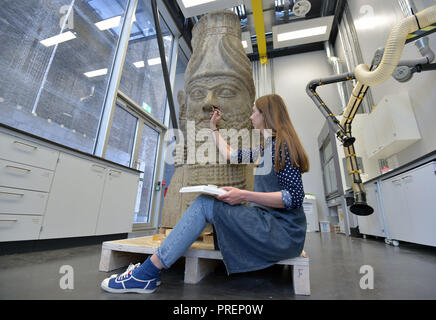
(18, 168)
(25, 144)
(397, 181)
(12, 194)
(98, 166)
(117, 173)
(8, 220)
(406, 177)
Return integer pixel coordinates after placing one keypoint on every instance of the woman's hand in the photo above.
(232, 196)
(215, 117)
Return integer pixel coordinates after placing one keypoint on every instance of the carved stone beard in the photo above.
(221, 174)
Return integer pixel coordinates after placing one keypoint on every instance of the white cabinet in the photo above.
(74, 200)
(17, 201)
(118, 202)
(89, 198)
(50, 193)
(17, 175)
(311, 212)
(409, 205)
(26, 173)
(27, 152)
(19, 227)
(372, 224)
(391, 127)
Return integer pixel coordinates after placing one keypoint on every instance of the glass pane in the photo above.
(45, 85)
(142, 78)
(121, 137)
(146, 162)
(328, 152)
(332, 174)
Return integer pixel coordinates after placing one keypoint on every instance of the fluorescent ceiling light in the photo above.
(304, 33)
(58, 39)
(244, 44)
(96, 73)
(139, 64)
(193, 3)
(108, 23)
(152, 62)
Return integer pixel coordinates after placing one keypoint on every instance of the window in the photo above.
(121, 137)
(55, 63)
(142, 78)
(146, 162)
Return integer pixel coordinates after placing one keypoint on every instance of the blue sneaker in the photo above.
(126, 282)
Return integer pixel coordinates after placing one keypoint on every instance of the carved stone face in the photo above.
(224, 92)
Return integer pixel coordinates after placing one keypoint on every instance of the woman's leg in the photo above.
(145, 278)
(186, 231)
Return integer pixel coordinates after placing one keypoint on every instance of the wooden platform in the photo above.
(200, 259)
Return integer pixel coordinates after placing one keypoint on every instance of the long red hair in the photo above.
(276, 118)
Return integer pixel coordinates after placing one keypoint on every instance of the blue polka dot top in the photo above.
(289, 177)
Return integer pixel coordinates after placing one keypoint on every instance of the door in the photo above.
(420, 189)
(74, 199)
(149, 185)
(372, 224)
(398, 218)
(137, 142)
(118, 202)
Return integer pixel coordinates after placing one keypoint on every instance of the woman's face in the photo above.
(257, 119)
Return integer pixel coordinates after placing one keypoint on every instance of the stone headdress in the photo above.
(217, 50)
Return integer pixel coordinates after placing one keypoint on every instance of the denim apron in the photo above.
(253, 237)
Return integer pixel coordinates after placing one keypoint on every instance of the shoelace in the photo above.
(128, 271)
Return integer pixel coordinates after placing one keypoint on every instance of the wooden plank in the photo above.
(197, 268)
(200, 259)
(111, 259)
(156, 242)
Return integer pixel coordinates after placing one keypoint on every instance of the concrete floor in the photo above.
(404, 272)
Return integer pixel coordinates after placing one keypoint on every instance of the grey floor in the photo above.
(404, 272)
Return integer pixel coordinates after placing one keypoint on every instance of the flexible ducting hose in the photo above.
(394, 47)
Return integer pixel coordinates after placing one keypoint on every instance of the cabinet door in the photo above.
(420, 191)
(372, 224)
(398, 217)
(74, 199)
(118, 202)
(369, 135)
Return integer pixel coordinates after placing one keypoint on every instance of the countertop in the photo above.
(61, 146)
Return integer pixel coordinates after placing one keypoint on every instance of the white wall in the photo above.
(291, 75)
(373, 21)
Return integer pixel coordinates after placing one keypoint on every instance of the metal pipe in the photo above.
(343, 132)
(164, 64)
(334, 61)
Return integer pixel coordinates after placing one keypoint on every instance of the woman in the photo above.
(271, 228)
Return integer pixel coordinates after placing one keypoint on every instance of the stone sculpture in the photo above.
(218, 74)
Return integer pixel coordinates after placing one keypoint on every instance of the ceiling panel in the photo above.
(277, 15)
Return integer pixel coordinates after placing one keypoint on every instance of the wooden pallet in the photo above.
(200, 259)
